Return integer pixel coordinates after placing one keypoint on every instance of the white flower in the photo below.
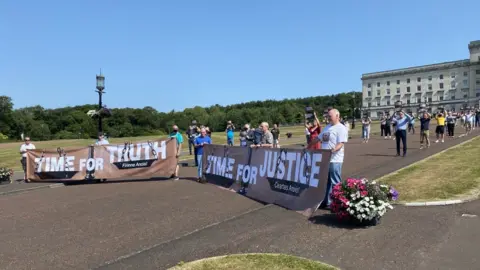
(359, 217)
(367, 199)
(364, 216)
(374, 182)
(352, 212)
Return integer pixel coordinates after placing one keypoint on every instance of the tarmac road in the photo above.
(156, 224)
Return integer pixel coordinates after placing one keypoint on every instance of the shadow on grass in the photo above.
(331, 220)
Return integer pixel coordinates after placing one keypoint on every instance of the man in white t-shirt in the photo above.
(333, 137)
(23, 151)
(101, 140)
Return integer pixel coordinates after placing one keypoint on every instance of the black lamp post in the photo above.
(100, 88)
(354, 97)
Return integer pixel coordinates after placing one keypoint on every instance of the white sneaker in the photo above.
(443, 141)
(436, 141)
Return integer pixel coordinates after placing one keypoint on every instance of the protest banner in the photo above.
(292, 178)
(129, 160)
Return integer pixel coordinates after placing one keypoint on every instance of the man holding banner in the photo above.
(200, 141)
(179, 137)
(333, 137)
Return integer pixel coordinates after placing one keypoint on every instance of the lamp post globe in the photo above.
(100, 85)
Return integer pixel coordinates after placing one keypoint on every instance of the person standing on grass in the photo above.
(276, 133)
(177, 135)
(192, 133)
(230, 129)
(333, 137)
(366, 122)
(451, 120)
(424, 129)
(411, 125)
(200, 141)
(23, 151)
(401, 120)
(440, 130)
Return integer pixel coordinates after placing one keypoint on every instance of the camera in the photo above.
(309, 114)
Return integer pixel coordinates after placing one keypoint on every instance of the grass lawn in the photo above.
(254, 262)
(448, 175)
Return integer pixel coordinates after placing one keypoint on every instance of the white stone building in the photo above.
(451, 85)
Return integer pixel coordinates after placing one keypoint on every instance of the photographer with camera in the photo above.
(229, 130)
(246, 136)
(401, 120)
(424, 128)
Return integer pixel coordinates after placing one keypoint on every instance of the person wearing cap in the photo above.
(23, 151)
(179, 138)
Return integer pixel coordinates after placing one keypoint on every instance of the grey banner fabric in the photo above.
(293, 178)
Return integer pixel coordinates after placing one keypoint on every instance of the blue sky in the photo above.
(179, 54)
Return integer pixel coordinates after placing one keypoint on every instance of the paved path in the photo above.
(156, 224)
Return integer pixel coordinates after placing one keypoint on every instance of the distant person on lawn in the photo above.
(451, 121)
(200, 141)
(23, 151)
(101, 140)
(176, 134)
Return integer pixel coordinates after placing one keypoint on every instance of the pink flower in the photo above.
(363, 193)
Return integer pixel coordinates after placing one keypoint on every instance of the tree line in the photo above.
(74, 123)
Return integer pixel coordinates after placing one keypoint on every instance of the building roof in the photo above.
(417, 69)
(474, 44)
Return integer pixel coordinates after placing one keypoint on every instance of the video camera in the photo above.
(309, 114)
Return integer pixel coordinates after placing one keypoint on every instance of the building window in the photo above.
(419, 100)
(452, 84)
(465, 83)
(388, 91)
(477, 82)
(419, 88)
(398, 81)
(369, 93)
(388, 101)
(477, 71)
(419, 79)
(465, 73)
(378, 84)
(388, 82)
(398, 90)
(369, 104)
(478, 95)
(441, 98)
(369, 85)
(465, 96)
(430, 99)
(441, 76)
(378, 92)
(430, 87)
(408, 101)
(452, 75)
(408, 80)
(378, 103)
(441, 85)
(429, 78)
(452, 97)
(408, 89)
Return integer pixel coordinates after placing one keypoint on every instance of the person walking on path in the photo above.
(401, 120)
(424, 130)
(200, 141)
(440, 130)
(366, 123)
(333, 137)
(177, 135)
(28, 145)
(451, 120)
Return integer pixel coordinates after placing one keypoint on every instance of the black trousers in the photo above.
(401, 135)
(382, 130)
(388, 130)
(451, 129)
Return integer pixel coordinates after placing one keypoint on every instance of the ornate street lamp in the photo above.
(100, 88)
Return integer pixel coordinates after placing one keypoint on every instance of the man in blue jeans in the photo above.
(200, 141)
(401, 119)
(333, 137)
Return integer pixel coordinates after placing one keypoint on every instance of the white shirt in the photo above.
(25, 147)
(331, 136)
(102, 142)
(307, 132)
(469, 117)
